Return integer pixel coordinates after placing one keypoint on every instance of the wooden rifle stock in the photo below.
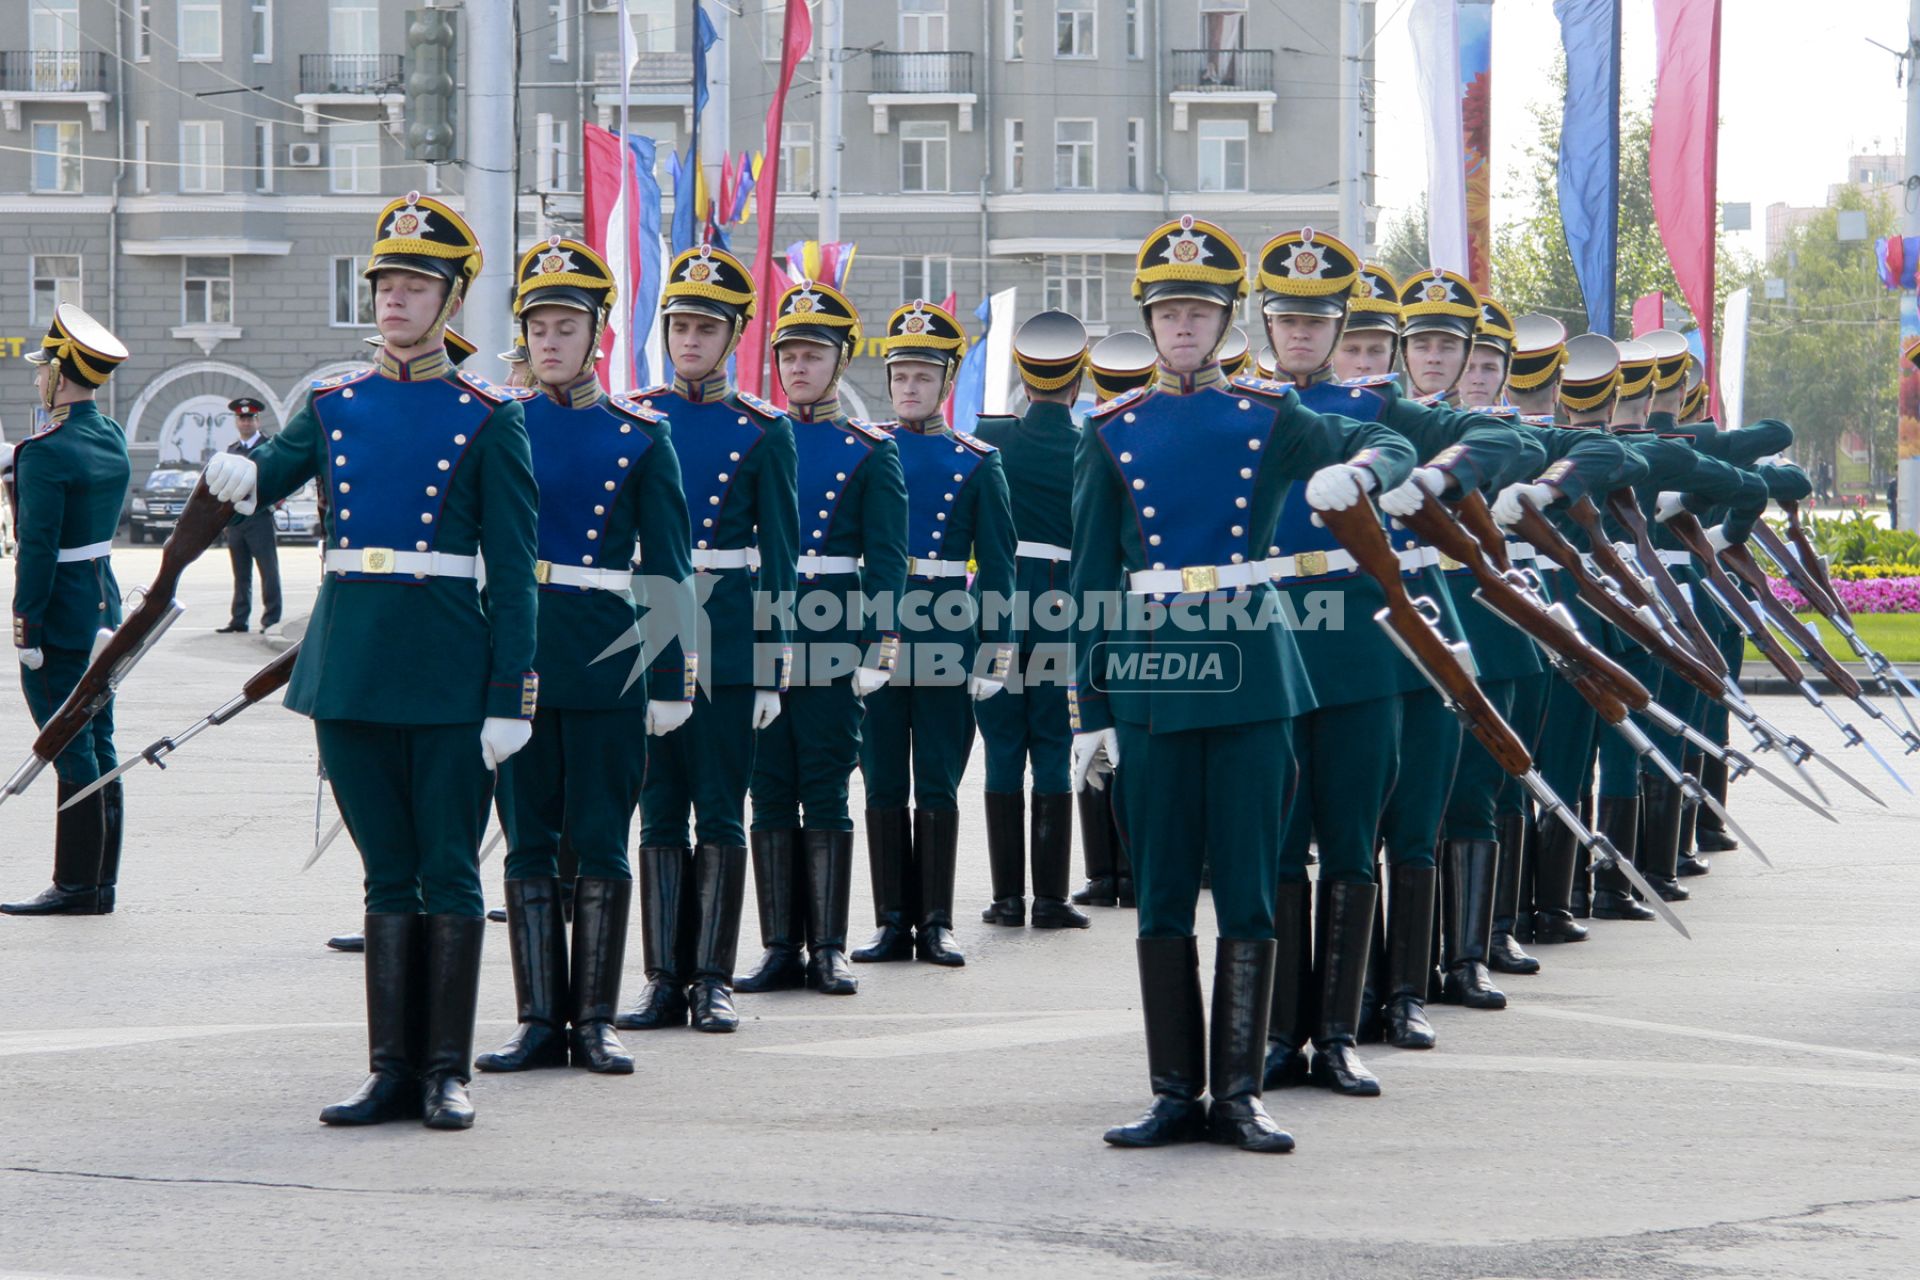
(1627, 511)
(1741, 561)
(1810, 559)
(1686, 528)
(271, 677)
(1804, 581)
(1478, 519)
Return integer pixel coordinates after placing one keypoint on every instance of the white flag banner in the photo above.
(1732, 373)
(1000, 372)
(1433, 27)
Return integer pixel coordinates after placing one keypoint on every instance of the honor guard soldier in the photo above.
(1028, 723)
(608, 480)
(737, 468)
(853, 550)
(1370, 341)
(406, 663)
(1484, 379)
(65, 485)
(1178, 490)
(919, 731)
(251, 541)
(1120, 362)
(1533, 373)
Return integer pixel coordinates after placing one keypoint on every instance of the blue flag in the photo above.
(970, 384)
(685, 189)
(1590, 151)
(650, 269)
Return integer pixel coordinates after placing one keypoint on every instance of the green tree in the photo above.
(1403, 250)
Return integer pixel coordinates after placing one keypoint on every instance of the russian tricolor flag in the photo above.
(623, 225)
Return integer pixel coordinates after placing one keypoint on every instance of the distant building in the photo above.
(1870, 175)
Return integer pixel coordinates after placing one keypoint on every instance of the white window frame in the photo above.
(925, 266)
(773, 30)
(1136, 153)
(1078, 9)
(1076, 283)
(796, 136)
(1091, 161)
(142, 154)
(211, 168)
(260, 32)
(1136, 30)
(209, 312)
(1016, 30)
(263, 167)
(935, 16)
(362, 179)
(560, 27)
(1219, 134)
(924, 133)
(362, 7)
(63, 26)
(65, 288)
(553, 167)
(1224, 7)
(362, 294)
(649, 37)
(200, 8)
(1016, 155)
(68, 155)
(143, 31)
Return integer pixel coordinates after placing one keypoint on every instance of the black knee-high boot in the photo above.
(1410, 898)
(1504, 953)
(1236, 1053)
(665, 899)
(1097, 841)
(79, 836)
(779, 893)
(396, 980)
(1176, 1045)
(1612, 892)
(719, 884)
(1050, 848)
(452, 996)
(936, 849)
(1666, 808)
(829, 876)
(1291, 1020)
(1469, 882)
(896, 886)
(1007, 858)
(600, 911)
(1344, 935)
(537, 941)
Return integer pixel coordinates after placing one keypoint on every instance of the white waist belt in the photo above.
(827, 564)
(1518, 551)
(731, 558)
(92, 551)
(922, 568)
(421, 564)
(572, 575)
(1676, 557)
(1415, 559)
(1041, 551)
(1202, 578)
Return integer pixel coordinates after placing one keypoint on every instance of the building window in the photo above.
(923, 155)
(352, 294)
(1136, 154)
(773, 28)
(925, 277)
(1136, 30)
(551, 169)
(1223, 155)
(143, 32)
(203, 156)
(56, 279)
(1223, 24)
(260, 18)
(1073, 35)
(1016, 30)
(206, 290)
(263, 156)
(354, 156)
(653, 25)
(142, 150)
(796, 157)
(923, 26)
(1073, 155)
(200, 29)
(1075, 283)
(1016, 155)
(57, 157)
(560, 27)
(353, 30)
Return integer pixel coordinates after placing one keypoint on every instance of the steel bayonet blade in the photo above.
(1745, 763)
(320, 844)
(1849, 779)
(486, 850)
(123, 767)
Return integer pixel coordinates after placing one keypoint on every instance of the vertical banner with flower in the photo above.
(1474, 28)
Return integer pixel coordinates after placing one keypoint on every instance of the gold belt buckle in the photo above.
(376, 559)
(913, 563)
(542, 572)
(1200, 578)
(1309, 564)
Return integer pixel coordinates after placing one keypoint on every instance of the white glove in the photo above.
(233, 477)
(501, 736)
(664, 717)
(766, 707)
(1667, 506)
(6, 457)
(982, 688)
(868, 680)
(1094, 755)
(1338, 487)
(30, 658)
(1718, 539)
(1405, 499)
(1507, 508)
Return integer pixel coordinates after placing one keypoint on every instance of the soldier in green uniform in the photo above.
(853, 548)
(65, 484)
(919, 730)
(1120, 362)
(419, 686)
(1178, 493)
(1028, 723)
(737, 469)
(582, 771)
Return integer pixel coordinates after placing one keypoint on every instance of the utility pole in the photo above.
(827, 154)
(1908, 470)
(1353, 151)
(492, 206)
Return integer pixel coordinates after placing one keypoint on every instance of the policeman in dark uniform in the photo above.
(919, 728)
(737, 468)
(1178, 490)
(582, 771)
(853, 548)
(1028, 723)
(419, 685)
(251, 540)
(65, 484)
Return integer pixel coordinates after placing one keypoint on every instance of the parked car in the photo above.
(157, 504)
(297, 518)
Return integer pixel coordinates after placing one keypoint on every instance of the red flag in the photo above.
(1649, 312)
(1684, 158)
(794, 48)
(775, 392)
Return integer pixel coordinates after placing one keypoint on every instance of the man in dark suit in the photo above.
(251, 541)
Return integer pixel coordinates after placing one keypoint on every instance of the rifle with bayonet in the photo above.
(1624, 509)
(202, 521)
(1411, 626)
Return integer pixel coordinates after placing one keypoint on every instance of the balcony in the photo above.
(1221, 77)
(352, 80)
(54, 75)
(898, 79)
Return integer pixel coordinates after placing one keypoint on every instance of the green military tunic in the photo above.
(68, 483)
(404, 658)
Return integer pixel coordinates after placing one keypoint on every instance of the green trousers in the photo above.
(414, 798)
(90, 754)
(1429, 755)
(804, 760)
(698, 774)
(1347, 757)
(1619, 762)
(581, 774)
(1205, 796)
(1528, 720)
(1474, 800)
(1027, 727)
(914, 746)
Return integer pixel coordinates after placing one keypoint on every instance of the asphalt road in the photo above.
(1743, 1104)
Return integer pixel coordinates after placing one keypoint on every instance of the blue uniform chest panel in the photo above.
(581, 459)
(829, 455)
(1297, 531)
(393, 449)
(936, 467)
(1189, 464)
(712, 439)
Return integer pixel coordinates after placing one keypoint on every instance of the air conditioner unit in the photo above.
(303, 155)
(603, 6)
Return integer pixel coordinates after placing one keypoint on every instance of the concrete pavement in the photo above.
(1744, 1104)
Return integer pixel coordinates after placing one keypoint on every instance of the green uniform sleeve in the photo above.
(291, 458)
(1470, 447)
(1309, 441)
(40, 479)
(1580, 462)
(883, 536)
(777, 534)
(509, 540)
(993, 547)
(1096, 570)
(660, 518)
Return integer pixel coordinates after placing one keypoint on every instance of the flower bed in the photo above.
(1870, 595)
